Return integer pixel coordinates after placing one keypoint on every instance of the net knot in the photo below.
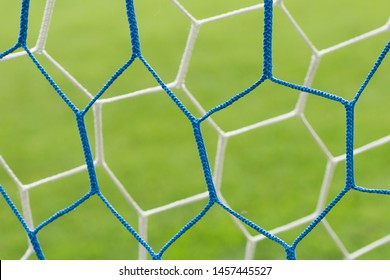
(290, 253)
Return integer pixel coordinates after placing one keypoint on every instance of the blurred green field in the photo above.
(272, 175)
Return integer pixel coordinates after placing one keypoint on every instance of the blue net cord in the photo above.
(214, 200)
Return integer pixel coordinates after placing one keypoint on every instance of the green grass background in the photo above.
(272, 175)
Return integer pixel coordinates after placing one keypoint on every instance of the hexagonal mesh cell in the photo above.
(190, 129)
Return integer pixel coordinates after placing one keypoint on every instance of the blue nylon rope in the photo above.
(22, 40)
(267, 39)
(132, 20)
(112, 79)
(196, 125)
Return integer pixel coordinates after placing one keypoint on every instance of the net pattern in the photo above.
(212, 176)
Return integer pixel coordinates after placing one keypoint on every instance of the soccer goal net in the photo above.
(187, 129)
